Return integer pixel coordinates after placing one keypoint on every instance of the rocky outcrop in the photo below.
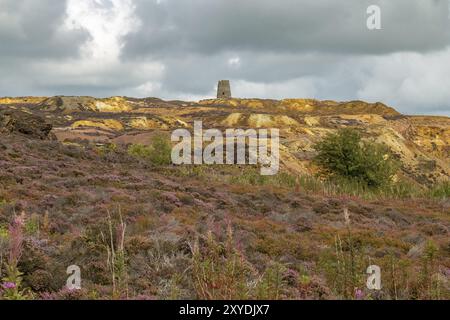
(307, 106)
(146, 123)
(259, 121)
(69, 105)
(332, 107)
(106, 124)
(21, 100)
(13, 121)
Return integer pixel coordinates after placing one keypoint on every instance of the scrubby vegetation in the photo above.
(158, 153)
(221, 272)
(139, 230)
(344, 155)
(12, 287)
(334, 187)
(440, 190)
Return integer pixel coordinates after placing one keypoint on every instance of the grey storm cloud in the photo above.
(31, 29)
(211, 26)
(178, 49)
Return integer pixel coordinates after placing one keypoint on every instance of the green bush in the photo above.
(158, 153)
(346, 155)
(440, 190)
(139, 151)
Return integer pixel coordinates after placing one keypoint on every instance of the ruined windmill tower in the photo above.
(224, 90)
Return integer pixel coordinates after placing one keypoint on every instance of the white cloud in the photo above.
(411, 81)
(148, 89)
(234, 62)
(99, 64)
(107, 22)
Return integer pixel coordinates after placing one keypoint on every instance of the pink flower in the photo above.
(447, 272)
(359, 294)
(9, 285)
(16, 242)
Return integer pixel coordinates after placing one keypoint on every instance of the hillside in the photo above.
(421, 142)
(218, 231)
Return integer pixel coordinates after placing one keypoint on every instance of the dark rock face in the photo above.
(13, 121)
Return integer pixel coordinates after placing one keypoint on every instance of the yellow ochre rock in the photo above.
(108, 124)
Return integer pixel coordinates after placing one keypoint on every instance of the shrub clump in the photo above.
(344, 155)
(158, 152)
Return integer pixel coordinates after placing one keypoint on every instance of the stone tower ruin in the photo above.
(224, 90)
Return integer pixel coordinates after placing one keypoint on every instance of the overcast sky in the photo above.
(179, 49)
